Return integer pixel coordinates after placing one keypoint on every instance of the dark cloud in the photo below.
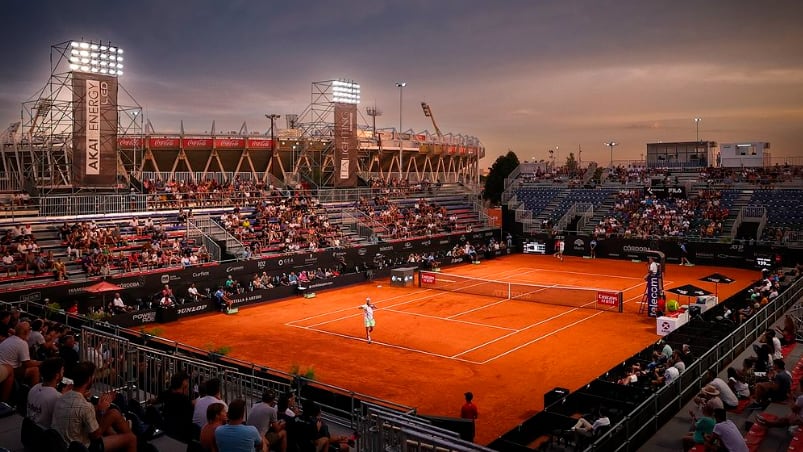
(518, 74)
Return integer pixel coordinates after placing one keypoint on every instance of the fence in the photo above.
(646, 419)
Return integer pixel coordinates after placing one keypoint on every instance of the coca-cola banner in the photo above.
(346, 145)
(94, 130)
(260, 143)
(163, 143)
(130, 143)
(229, 143)
(196, 143)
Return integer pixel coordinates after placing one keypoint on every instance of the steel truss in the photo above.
(38, 152)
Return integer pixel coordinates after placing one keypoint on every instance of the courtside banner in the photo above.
(427, 278)
(94, 156)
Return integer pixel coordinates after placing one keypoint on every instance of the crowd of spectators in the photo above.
(423, 218)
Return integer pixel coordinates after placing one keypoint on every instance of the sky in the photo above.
(521, 75)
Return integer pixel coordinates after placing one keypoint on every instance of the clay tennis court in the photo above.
(431, 346)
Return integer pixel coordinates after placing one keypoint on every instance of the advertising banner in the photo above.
(346, 145)
(94, 130)
(196, 143)
(159, 143)
(653, 293)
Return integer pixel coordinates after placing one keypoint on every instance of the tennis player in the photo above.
(559, 246)
(368, 317)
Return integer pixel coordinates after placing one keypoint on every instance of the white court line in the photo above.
(591, 274)
(400, 347)
(450, 319)
(539, 338)
(541, 322)
(502, 300)
(350, 308)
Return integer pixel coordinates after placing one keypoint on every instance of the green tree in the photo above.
(495, 182)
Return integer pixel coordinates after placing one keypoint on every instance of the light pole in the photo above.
(272, 118)
(401, 86)
(697, 123)
(611, 145)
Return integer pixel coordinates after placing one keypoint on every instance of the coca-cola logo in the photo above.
(229, 143)
(163, 142)
(197, 143)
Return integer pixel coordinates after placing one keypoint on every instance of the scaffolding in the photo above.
(38, 152)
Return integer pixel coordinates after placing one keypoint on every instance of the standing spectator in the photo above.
(236, 436)
(97, 427)
(68, 353)
(42, 397)
(469, 411)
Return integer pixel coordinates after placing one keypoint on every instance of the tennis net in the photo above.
(578, 297)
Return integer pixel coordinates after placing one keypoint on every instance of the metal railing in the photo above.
(648, 417)
(194, 233)
(212, 229)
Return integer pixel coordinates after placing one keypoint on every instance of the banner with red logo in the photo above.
(229, 143)
(130, 143)
(609, 300)
(427, 278)
(196, 143)
(164, 143)
(260, 143)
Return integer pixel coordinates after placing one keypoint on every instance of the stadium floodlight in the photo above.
(95, 57)
(345, 92)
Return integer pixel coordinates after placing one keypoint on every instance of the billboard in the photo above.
(94, 130)
(346, 145)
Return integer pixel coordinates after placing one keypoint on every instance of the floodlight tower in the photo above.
(73, 123)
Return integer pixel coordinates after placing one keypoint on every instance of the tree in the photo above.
(495, 182)
(571, 164)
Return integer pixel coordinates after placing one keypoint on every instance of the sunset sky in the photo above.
(521, 75)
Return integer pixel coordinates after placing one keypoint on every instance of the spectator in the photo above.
(15, 352)
(216, 415)
(236, 436)
(703, 427)
(212, 395)
(777, 389)
(97, 427)
(725, 435)
(469, 411)
(264, 416)
(177, 409)
(42, 397)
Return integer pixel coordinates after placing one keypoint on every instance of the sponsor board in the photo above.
(235, 268)
(427, 278)
(608, 298)
(192, 309)
(144, 317)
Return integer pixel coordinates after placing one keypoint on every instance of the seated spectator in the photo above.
(777, 389)
(42, 397)
(216, 415)
(793, 418)
(313, 431)
(264, 416)
(237, 436)
(211, 395)
(118, 305)
(738, 384)
(587, 428)
(193, 293)
(177, 409)
(15, 352)
(725, 435)
(703, 426)
(729, 399)
(97, 427)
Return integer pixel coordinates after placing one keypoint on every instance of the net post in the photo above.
(621, 301)
(509, 291)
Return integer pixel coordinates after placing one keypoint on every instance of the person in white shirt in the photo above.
(14, 352)
(212, 391)
(118, 304)
(729, 399)
(588, 429)
(725, 435)
(42, 397)
(368, 318)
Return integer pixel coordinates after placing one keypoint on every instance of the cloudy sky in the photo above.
(523, 75)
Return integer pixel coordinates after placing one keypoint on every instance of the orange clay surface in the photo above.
(432, 346)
